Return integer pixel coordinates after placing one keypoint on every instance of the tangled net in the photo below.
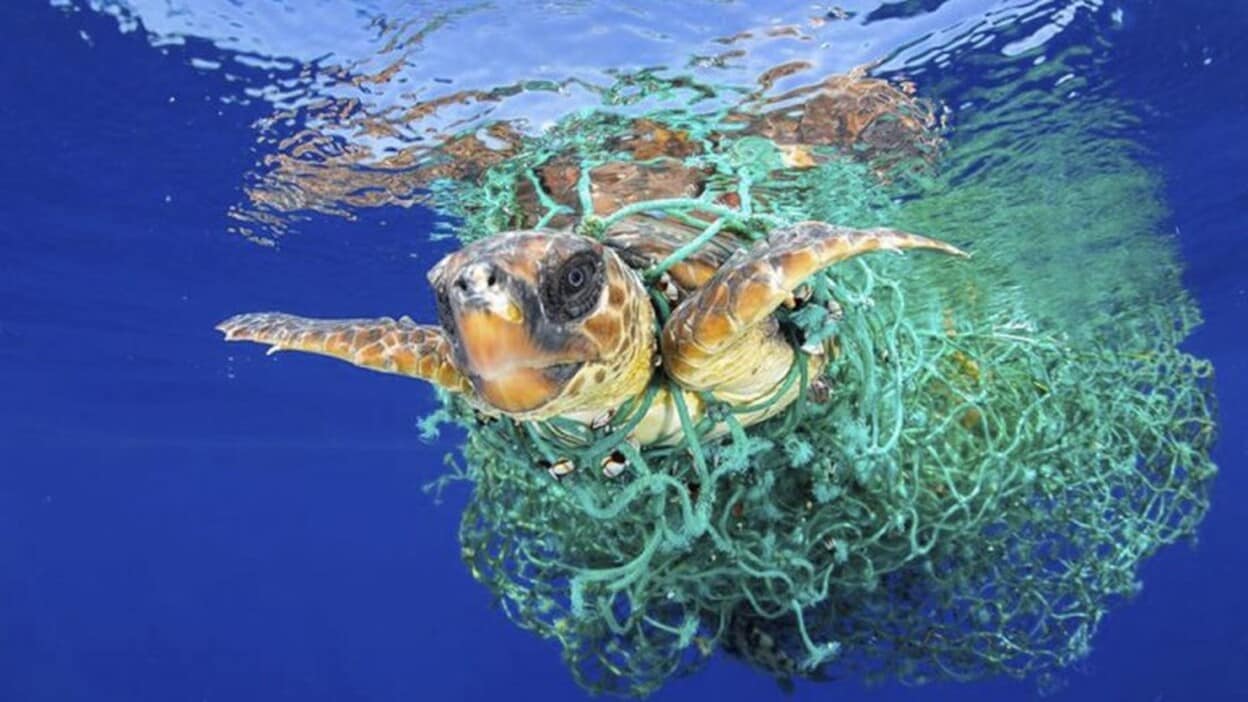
(979, 488)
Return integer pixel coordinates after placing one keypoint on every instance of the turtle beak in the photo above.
(492, 344)
(495, 348)
(489, 322)
(500, 359)
(499, 307)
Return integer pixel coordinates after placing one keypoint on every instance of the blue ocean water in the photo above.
(184, 520)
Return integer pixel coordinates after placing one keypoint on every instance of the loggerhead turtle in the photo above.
(549, 323)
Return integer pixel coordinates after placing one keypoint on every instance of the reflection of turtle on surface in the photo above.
(546, 323)
(857, 116)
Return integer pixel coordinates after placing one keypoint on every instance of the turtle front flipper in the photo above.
(387, 345)
(724, 338)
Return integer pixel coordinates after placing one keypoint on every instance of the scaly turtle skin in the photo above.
(542, 324)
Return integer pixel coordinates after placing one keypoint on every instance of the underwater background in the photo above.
(181, 519)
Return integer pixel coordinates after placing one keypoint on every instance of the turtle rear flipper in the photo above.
(724, 339)
(387, 345)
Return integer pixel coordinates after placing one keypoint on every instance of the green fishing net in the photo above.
(1005, 440)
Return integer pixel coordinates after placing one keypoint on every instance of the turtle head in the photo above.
(545, 323)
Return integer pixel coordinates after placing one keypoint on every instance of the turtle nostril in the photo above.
(478, 279)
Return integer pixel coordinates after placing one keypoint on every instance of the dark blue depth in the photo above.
(176, 525)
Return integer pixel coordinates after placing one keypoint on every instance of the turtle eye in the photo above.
(574, 288)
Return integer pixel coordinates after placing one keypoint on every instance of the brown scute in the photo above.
(337, 343)
(616, 295)
(621, 183)
(613, 185)
(532, 249)
(402, 360)
(367, 356)
(752, 297)
(425, 367)
(691, 275)
(605, 328)
(559, 177)
(800, 263)
(714, 328)
(649, 140)
(600, 376)
(716, 297)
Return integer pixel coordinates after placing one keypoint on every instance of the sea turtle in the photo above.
(550, 323)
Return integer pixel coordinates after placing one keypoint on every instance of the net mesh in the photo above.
(981, 485)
